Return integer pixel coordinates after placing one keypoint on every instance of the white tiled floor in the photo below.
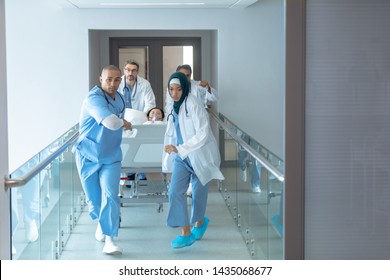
(144, 236)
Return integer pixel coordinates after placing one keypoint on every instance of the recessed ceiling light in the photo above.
(151, 4)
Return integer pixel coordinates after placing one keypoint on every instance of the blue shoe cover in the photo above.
(278, 225)
(198, 232)
(183, 241)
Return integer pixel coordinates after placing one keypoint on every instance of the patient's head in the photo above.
(155, 114)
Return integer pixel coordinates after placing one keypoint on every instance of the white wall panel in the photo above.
(4, 194)
(48, 65)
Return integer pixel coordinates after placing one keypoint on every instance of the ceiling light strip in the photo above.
(151, 4)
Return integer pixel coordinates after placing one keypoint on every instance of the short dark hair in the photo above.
(184, 66)
(162, 112)
(133, 62)
(110, 67)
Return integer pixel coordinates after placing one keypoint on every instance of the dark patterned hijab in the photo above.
(185, 87)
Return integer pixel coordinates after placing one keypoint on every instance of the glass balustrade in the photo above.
(252, 194)
(45, 210)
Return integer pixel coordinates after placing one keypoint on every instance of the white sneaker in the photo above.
(110, 248)
(31, 231)
(243, 174)
(256, 190)
(99, 234)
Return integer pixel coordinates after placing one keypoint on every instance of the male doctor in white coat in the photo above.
(137, 91)
(138, 95)
(200, 89)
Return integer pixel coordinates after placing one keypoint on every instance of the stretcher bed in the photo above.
(142, 153)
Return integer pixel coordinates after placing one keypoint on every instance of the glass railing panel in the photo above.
(229, 169)
(259, 214)
(253, 209)
(70, 190)
(274, 204)
(66, 201)
(26, 215)
(275, 216)
(48, 198)
(50, 212)
(78, 197)
(75, 207)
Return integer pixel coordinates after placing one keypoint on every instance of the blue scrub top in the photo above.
(96, 142)
(127, 94)
(180, 137)
(177, 128)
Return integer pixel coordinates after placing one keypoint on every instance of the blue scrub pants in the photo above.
(101, 186)
(181, 176)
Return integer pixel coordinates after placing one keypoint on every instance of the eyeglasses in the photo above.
(131, 70)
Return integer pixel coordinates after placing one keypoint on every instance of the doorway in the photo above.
(158, 58)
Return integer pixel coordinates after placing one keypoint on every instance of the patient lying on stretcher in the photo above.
(153, 116)
(138, 119)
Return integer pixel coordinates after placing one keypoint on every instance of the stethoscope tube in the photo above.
(108, 102)
(185, 107)
(133, 93)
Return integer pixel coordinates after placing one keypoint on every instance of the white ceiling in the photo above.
(160, 4)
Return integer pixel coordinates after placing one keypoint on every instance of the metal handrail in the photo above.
(17, 182)
(260, 158)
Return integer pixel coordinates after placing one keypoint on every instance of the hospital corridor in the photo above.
(267, 120)
(241, 219)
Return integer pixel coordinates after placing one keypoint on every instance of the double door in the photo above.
(158, 58)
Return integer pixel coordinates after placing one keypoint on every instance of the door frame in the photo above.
(155, 67)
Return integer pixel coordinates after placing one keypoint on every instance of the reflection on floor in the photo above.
(240, 229)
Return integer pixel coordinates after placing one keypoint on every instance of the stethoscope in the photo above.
(109, 103)
(185, 107)
(134, 91)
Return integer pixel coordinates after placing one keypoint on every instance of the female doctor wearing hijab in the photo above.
(193, 149)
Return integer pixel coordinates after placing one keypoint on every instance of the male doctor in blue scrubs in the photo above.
(98, 155)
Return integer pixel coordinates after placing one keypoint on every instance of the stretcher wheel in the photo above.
(160, 208)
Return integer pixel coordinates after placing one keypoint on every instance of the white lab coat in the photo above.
(202, 93)
(199, 143)
(144, 98)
